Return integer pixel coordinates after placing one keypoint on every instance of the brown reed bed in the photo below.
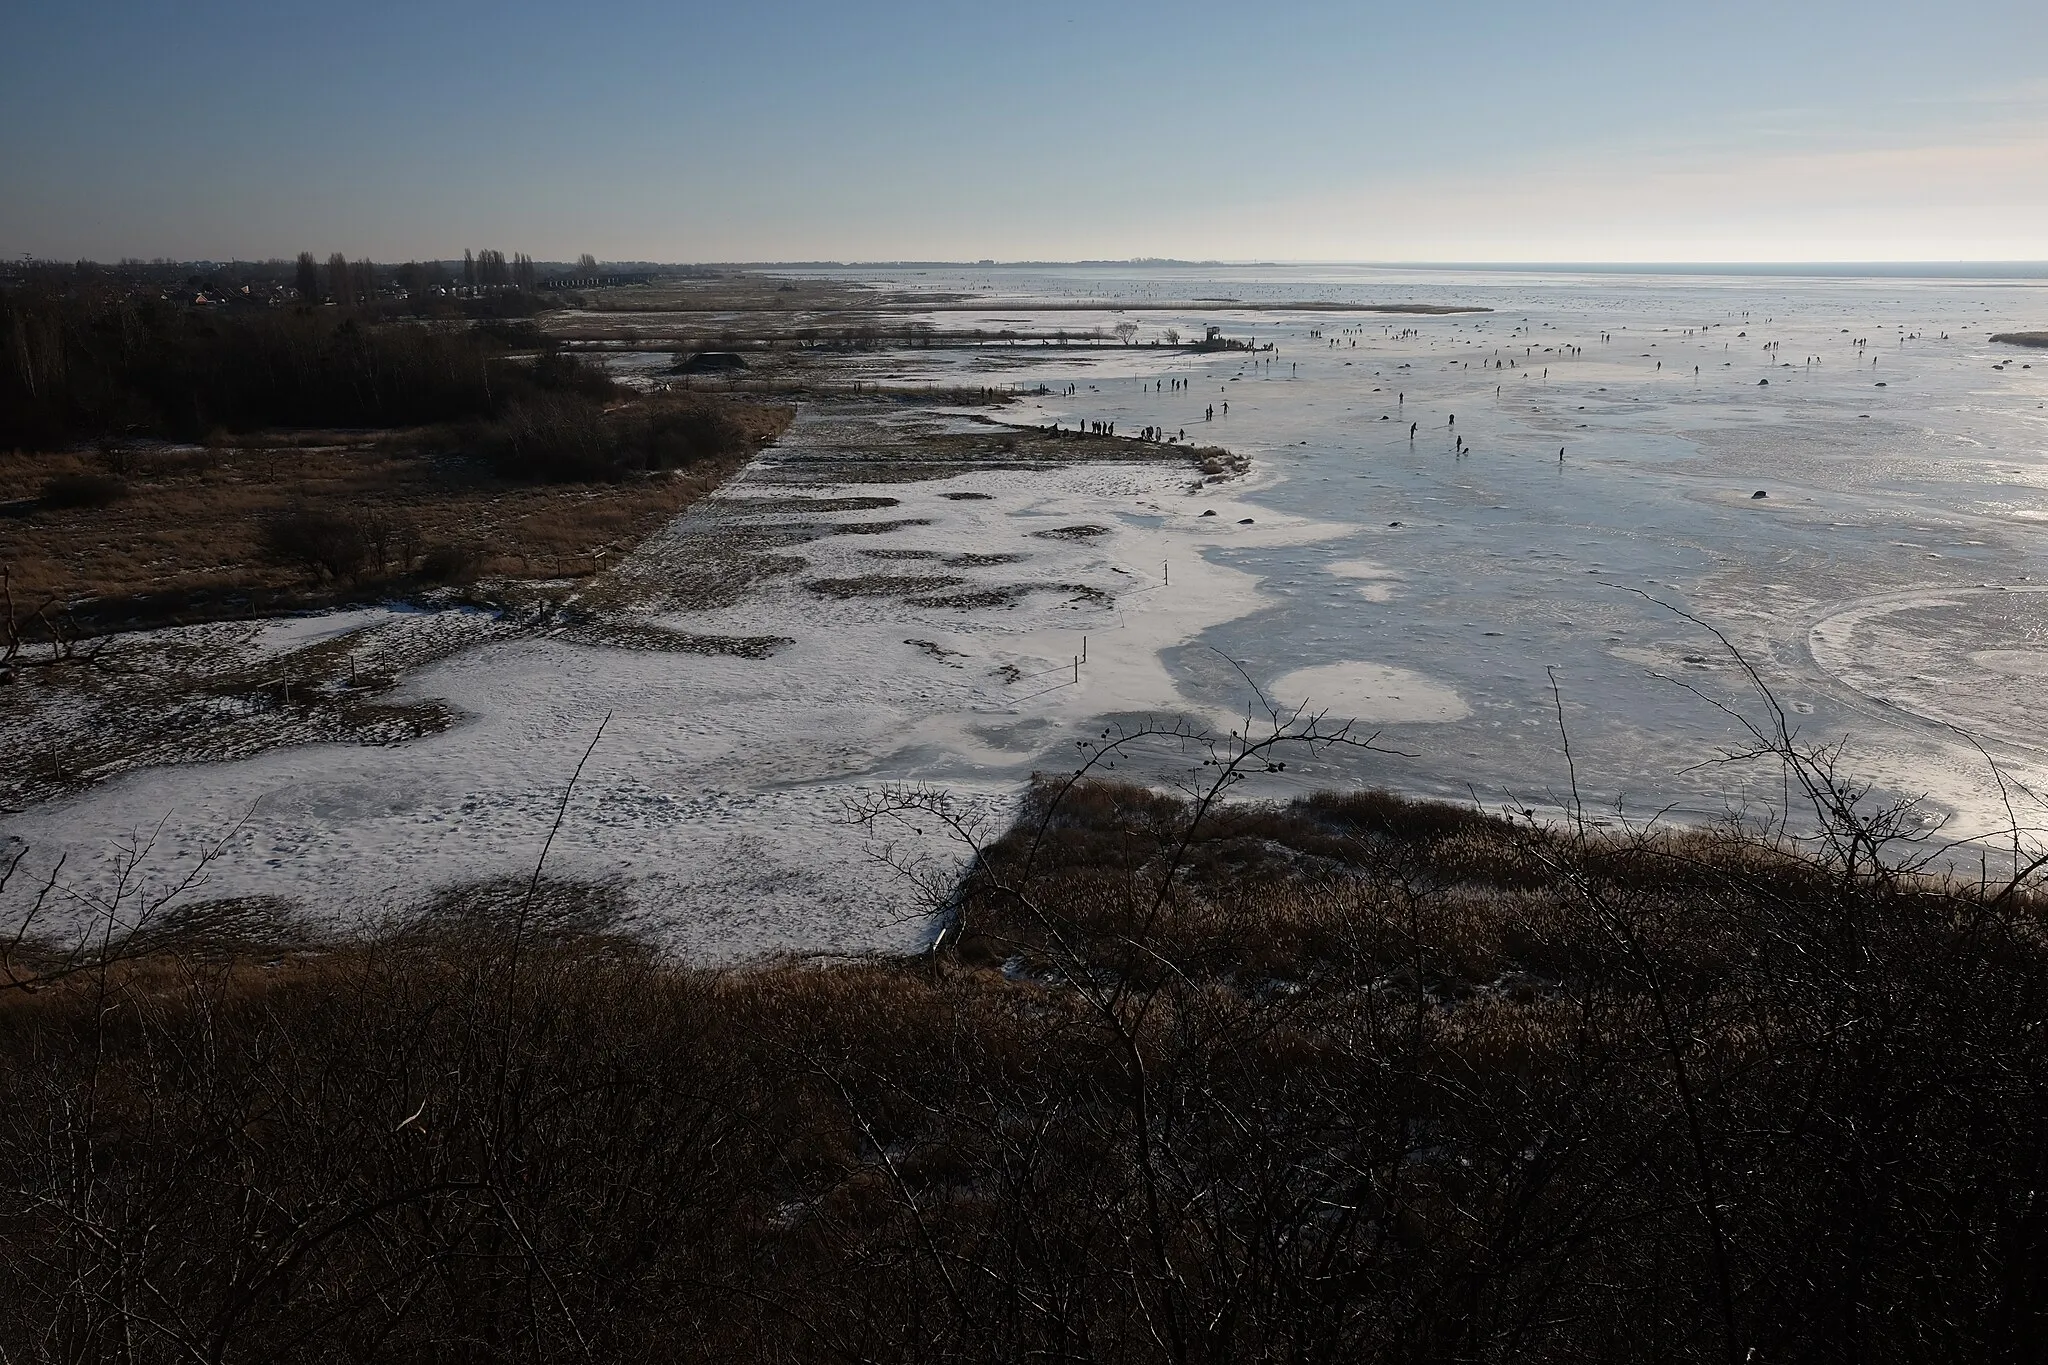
(1348, 1078)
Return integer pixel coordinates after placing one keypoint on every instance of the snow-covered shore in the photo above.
(717, 798)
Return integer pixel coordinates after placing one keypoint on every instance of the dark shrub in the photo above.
(557, 438)
(83, 490)
(322, 541)
(564, 437)
(678, 436)
(558, 371)
(450, 564)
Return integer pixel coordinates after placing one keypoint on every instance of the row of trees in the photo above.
(489, 270)
(484, 271)
(347, 283)
(110, 365)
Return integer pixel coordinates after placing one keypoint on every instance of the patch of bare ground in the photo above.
(868, 528)
(1010, 594)
(880, 585)
(126, 702)
(729, 544)
(2037, 339)
(628, 634)
(978, 598)
(937, 651)
(1348, 1078)
(855, 442)
(744, 506)
(1084, 532)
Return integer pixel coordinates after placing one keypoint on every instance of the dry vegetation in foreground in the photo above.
(1351, 1078)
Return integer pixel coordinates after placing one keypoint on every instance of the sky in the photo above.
(782, 130)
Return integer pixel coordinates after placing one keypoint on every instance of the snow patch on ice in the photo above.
(1368, 693)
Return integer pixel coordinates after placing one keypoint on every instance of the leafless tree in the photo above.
(341, 283)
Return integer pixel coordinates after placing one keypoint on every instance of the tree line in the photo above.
(106, 365)
(350, 283)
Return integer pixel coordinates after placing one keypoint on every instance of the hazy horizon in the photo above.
(1928, 270)
(801, 132)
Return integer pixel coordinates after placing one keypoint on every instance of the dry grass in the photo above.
(1350, 1079)
(188, 539)
(914, 450)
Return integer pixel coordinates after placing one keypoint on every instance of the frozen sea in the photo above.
(1888, 587)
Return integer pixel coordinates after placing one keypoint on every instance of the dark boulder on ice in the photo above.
(1758, 494)
(1210, 513)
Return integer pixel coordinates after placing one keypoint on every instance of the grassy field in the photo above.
(149, 536)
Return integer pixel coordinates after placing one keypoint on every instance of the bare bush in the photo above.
(450, 564)
(83, 490)
(564, 437)
(321, 541)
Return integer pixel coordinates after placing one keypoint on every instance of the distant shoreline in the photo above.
(1987, 270)
(1199, 305)
(910, 304)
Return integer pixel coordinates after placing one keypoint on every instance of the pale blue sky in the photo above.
(765, 131)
